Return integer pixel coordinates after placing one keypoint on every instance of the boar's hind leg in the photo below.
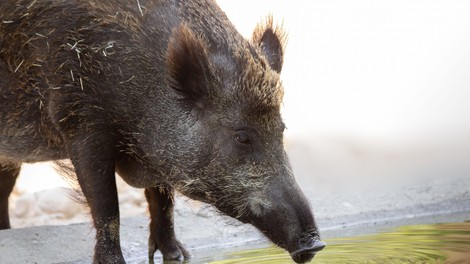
(162, 234)
(95, 168)
(8, 174)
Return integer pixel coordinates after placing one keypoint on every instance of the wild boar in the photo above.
(165, 93)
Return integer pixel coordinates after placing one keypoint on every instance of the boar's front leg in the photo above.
(95, 168)
(162, 234)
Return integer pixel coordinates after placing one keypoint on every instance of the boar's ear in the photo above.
(188, 66)
(272, 39)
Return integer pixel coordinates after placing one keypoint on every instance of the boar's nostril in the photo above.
(313, 234)
(307, 250)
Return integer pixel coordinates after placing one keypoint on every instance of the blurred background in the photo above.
(374, 69)
(375, 90)
(377, 96)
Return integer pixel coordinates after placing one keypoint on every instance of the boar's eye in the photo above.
(242, 137)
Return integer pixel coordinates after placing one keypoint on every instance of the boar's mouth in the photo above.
(309, 245)
(307, 254)
(301, 249)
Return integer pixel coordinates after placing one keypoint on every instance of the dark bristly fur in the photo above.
(166, 93)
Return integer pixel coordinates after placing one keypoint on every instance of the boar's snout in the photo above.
(309, 245)
(288, 221)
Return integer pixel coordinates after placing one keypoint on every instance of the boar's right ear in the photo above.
(188, 66)
(272, 40)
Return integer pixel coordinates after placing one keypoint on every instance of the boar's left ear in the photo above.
(188, 67)
(272, 39)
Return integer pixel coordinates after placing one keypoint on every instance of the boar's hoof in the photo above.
(172, 251)
(307, 251)
(179, 253)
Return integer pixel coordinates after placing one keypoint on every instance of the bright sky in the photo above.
(372, 68)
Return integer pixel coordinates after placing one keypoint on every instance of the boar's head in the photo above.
(234, 158)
